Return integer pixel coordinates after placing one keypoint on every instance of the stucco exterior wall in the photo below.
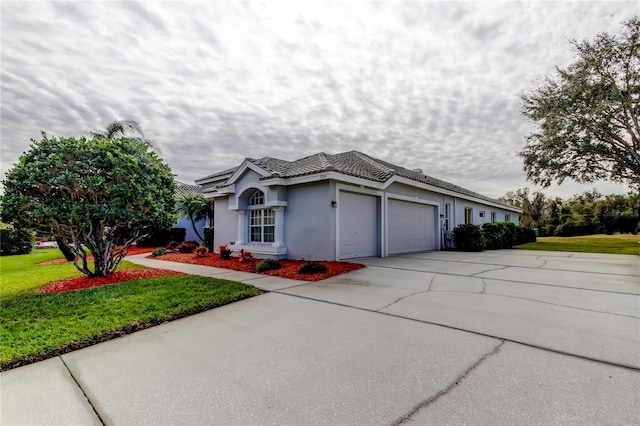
(477, 208)
(225, 223)
(310, 222)
(186, 223)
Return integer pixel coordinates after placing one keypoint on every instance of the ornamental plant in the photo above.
(225, 253)
(159, 252)
(313, 268)
(245, 255)
(268, 265)
(201, 251)
(187, 247)
(100, 195)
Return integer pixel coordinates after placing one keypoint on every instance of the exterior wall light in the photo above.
(334, 204)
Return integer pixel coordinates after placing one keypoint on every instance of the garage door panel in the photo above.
(411, 227)
(358, 225)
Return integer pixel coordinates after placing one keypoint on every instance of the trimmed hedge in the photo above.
(469, 237)
(492, 236)
(16, 241)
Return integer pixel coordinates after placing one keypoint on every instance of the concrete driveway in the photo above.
(505, 337)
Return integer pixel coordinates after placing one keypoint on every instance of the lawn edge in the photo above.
(114, 334)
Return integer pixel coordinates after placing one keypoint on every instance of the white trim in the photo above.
(233, 201)
(381, 186)
(243, 168)
(276, 203)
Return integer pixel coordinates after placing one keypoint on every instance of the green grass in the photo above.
(615, 244)
(37, 326)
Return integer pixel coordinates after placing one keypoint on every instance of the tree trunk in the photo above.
(65, 249)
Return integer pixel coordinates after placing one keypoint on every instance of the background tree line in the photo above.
(583, 214)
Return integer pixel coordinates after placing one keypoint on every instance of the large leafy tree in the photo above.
(196, 208)
(588, 114)
(100, 194)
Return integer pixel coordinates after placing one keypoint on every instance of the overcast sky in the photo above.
(430, 85)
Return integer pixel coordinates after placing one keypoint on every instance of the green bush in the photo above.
(268, 265)
(313, 268)
(547, 230)
(469, 237)
(159, 252)
(526, 235)
(494, 233)
(16, 241)
(510, 235)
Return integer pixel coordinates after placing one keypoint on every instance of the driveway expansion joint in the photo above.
(93, 407)
(433, 398)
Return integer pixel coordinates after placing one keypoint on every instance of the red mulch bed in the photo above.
(80, 283)
(289, 267)
(130, 252)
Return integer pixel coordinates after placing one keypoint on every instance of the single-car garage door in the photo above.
(358, 225)
(411, 227)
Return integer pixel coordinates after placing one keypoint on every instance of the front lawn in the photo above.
(36, 326)
(615, 244)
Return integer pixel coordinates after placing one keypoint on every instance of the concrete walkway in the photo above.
(506, 337)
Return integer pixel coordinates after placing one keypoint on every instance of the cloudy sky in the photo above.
(430, 85)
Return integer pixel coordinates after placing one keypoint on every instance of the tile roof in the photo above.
(186, 189)
(354, 163)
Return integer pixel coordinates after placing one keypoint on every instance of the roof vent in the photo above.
(418, 171)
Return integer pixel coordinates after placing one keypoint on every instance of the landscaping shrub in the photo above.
(268, 265)
(172, 245)
(510, 235)
(469, 237)
(313, 268)
(159, 252)
(225, 253)
(208, 237)
(201, 251)
(526, 235)
(547, 230)
(245, 255)
(187, 247)
(16, 241)
(494, 233)
(162, 237)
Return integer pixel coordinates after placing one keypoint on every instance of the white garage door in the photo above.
(411, 227)
(358, 225)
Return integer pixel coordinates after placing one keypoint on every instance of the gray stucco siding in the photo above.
(185, 223)
(225, 223)
(477, 208)
(310, 222)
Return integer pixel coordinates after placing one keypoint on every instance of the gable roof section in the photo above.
(352, 163)
(186, 189)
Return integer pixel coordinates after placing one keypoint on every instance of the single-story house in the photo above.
(343, 206)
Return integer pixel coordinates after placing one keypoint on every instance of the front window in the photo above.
(507, 218)
(493, 217)
(468, 215)
(262, 222)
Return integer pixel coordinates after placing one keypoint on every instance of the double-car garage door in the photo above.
(409, 227)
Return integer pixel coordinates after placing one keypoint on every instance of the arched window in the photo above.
(262, 221)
